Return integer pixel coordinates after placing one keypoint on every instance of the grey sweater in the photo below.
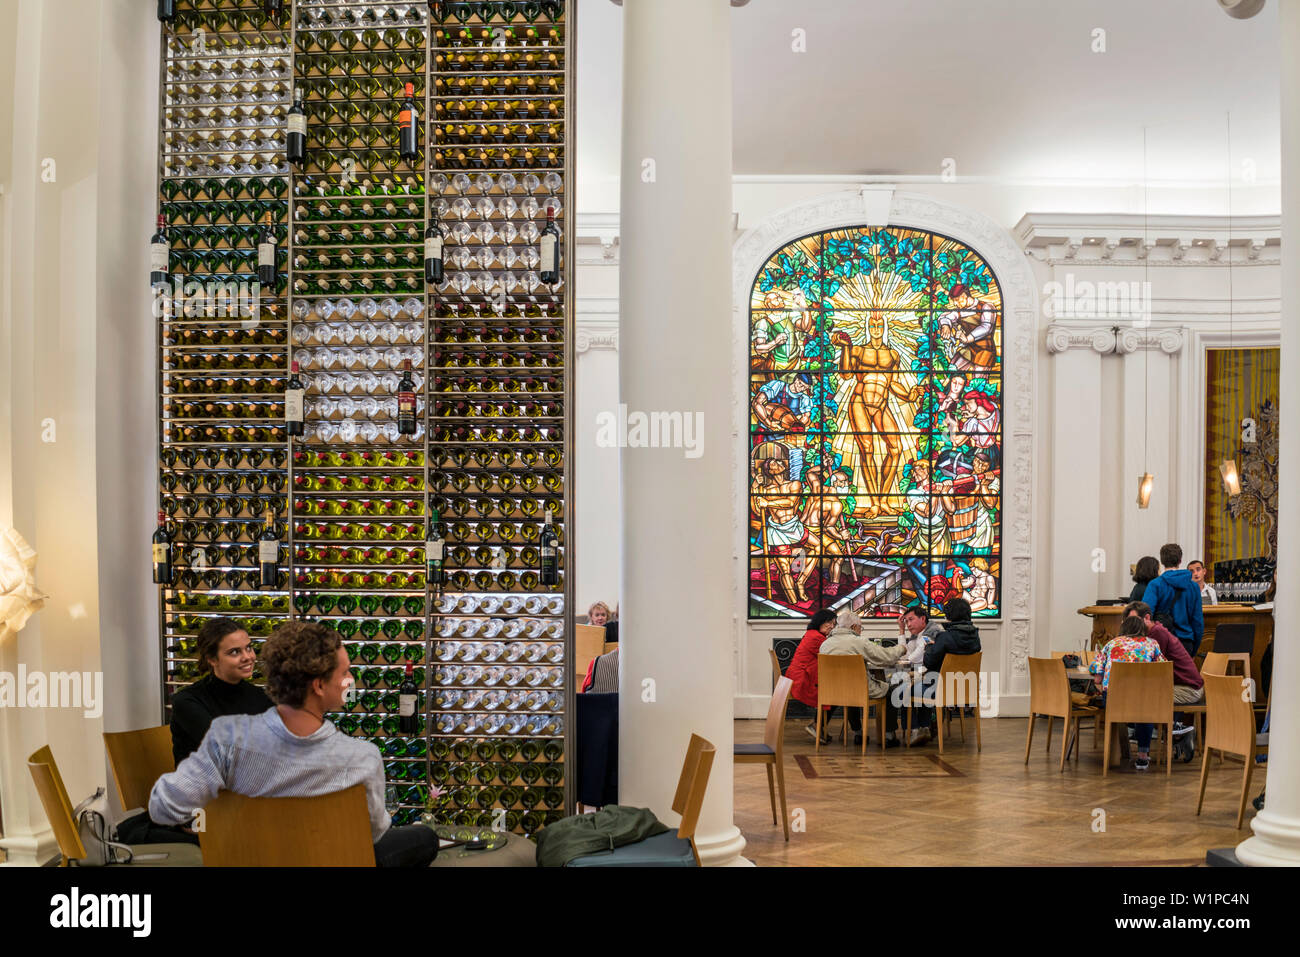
(257, 756)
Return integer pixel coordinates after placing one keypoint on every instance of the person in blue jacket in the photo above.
(1175, 600)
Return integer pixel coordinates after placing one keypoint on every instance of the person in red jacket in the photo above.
(1189, 686)
(802, 671)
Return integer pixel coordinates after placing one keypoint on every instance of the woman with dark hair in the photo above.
(226, 660)
(802, 671)
(1147, 569)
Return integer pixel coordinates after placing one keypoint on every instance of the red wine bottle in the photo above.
(407, 123)
(406, 401)
(297, 140)
(266, 252)
(162, 553)
(293, 403)
(433, 237)
(268, 553)
(550, 552)
(166, 10)
(273, 8)
(408, 695)
(549, 269)
(159, 254)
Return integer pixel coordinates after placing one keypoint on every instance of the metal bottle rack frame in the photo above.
(433, 302)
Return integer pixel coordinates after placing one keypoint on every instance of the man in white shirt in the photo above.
(1208, 595)
(847, 640)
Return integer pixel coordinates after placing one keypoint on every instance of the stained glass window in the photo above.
(875, 398)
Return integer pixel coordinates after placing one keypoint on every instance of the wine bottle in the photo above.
(293, 403)
(408, 721)
(433, 237)
(407, 123)
(433, 548)
(297, 121)
(266, 252)
(549, 268)
(166, 10)
(550, 544)
(159, 254)
(268, 553)
(162, 553)
(406, 401)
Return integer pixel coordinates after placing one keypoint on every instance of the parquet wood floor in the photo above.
(909, 807)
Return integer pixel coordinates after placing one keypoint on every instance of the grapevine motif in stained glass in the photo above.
(875, 407)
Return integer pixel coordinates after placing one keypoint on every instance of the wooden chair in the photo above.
(330, 830)
(138, 760)
(1086, 658)
(1231, 728)
(588, 643)
(1140, 692)
(668, 849)
(771, 752)
(776, 666)
(956, 689)
(842, 680)
(58, 810)
(1049, 695)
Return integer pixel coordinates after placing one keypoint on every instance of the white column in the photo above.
(1075, 479)
(675, 282)
(1277, 827)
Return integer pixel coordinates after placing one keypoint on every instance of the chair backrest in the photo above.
(691, 787)
(1141, 691)
(776, 666)
(959, 681)
(1215, 663)
(138, 760)
(1049, 689)
(842, 679)
(1229, 715)
(330, 830)
(588, 643)
(774, 728)
(54, 799)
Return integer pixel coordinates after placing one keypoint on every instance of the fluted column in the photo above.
(675, 304)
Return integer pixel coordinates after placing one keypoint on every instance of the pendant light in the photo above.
(1146, 481)
(1228, 467)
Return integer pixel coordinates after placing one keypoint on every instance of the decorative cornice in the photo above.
(1127, 239)
(1168, 339)
(1063, 338)
(595, 239)
(596, 325)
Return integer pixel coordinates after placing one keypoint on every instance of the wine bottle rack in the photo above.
(489, 349)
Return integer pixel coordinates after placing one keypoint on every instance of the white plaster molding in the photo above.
(1168, 339)
(1020, 308)
(596, 239)
(1128, 239)
(596, 323)
(1062, 337)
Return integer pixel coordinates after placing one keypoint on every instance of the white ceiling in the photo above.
(1009, 89)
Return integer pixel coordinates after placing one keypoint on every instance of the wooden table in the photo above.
(1106, 618)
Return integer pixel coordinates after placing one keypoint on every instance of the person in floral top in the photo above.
(1130, 645)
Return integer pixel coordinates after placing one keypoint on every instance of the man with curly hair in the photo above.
(291, 750)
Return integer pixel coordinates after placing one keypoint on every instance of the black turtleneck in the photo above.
(194, 707)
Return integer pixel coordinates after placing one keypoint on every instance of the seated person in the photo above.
(802, 670)
(226, 660)
(598, 614)
(959, 637)
(1131, 644)
(1189, 686)
(291, 750)
(847, 640)
(916, 631)
(602, 674)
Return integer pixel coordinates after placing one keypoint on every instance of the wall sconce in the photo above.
(1231, 479)
(1146, 481)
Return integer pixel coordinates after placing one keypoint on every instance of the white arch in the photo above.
(1019, 328)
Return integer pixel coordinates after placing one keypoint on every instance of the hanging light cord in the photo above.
(1146, 278)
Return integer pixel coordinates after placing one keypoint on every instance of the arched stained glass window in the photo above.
(875, 397)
